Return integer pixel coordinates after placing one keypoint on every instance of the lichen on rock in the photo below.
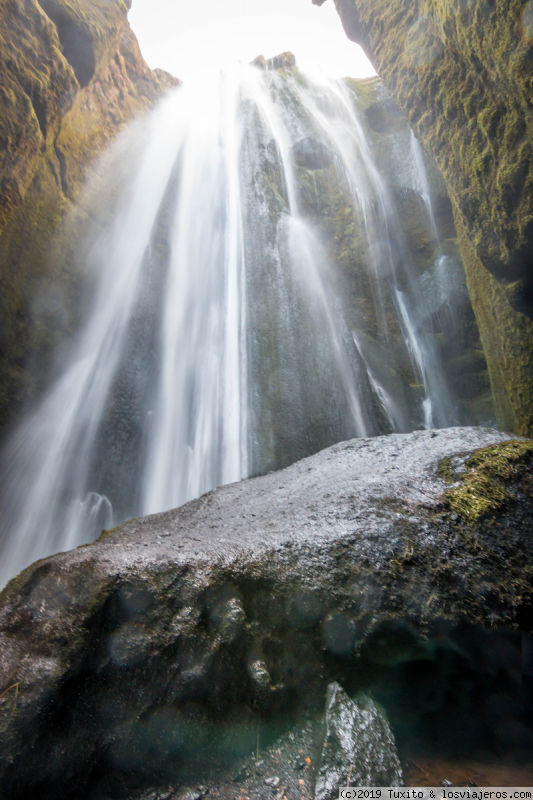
(481, 483)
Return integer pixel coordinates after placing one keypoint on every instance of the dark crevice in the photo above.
(76, 42)
(62, 169)
(54, 173)
(40, 112)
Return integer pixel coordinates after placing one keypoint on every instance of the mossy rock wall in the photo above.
(507, 338)
(71, 77)
(461, 71)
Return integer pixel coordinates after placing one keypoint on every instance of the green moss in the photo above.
(507, 339)
(444, 470)
(483, 487)
(367, 90)
(105, 533)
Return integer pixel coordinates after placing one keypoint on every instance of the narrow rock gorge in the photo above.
(266, 363)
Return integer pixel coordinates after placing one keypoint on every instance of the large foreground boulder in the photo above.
(157, 653)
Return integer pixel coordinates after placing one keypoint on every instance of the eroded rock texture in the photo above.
(461, 71)
(420, 230)
(71, 76)
(360, 747)
(155, 654)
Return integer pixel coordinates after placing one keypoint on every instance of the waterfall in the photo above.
(217, 342)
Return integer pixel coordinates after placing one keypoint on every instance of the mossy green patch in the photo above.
(105, 533)
(482, 486)
(507, 338)
(367, 90)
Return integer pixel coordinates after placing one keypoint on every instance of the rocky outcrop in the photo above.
(71, 76)
(360, 748)
(461, 71)
(349, 743)
(282, 61)
(155, 654)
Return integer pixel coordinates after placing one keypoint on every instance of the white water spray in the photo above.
(216, 345)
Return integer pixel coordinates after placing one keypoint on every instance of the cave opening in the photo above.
(76, 42)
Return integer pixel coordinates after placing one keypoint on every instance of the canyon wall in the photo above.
(461, 72)
(420, 234)
(71, 76)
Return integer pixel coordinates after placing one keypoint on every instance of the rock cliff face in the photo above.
(71, 76)
(461, 71)
(420, 226)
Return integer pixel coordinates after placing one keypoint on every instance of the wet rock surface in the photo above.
(285, 60)
(151, 657)
(359, 748)
(350, 741)
(425, 258)
(284, 769)
(311, 154)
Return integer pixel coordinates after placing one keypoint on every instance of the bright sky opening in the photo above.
(186, 37)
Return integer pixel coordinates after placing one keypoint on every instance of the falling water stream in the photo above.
(216, 345)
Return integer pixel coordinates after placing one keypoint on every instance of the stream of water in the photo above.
(217, 344)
